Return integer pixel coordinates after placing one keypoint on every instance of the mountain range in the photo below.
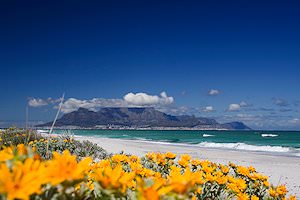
(140, 118)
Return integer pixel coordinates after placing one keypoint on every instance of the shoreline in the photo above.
(266, 149)
(281, 169)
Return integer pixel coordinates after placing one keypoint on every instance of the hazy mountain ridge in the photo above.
(139, 117)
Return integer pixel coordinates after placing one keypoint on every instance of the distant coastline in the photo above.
(130, 118)
(134, 128)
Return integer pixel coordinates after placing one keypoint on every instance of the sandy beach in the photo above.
(280, 169)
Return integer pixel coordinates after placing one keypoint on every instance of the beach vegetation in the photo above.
(26, 173)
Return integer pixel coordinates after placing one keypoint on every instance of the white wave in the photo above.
(42, 131)
(268, 135)
(82, 136)
(140, 138)
(297, 154)
(243, 146)
(208, 135)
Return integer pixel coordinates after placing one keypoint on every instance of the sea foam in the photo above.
(246, 147)
(207, 135)
(268, 135)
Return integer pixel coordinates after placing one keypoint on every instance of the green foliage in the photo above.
(58, 143)
(14, 136)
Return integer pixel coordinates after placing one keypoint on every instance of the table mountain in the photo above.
(139, 117)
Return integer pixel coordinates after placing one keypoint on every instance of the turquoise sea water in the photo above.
(282, 142)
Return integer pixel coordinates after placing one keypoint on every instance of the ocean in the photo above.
(274, 142)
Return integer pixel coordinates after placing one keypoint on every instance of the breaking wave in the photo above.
(208, 135)
(268, 135)
(246, 147)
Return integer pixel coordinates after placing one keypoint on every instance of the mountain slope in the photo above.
(140, 117)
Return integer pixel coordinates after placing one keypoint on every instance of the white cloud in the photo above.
(38, 102)
(280, 102)
(213, 92)
(143, 99)
(244, 104)
(234, 107)
(72, 104)
(208, 109)
(130, 100)
(237, 107)
(294, 121)
(33, 102)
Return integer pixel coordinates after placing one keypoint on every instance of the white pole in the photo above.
(58, 111)
(51, 129)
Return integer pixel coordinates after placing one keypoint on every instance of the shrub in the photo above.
(25, 175)
(45, 145)
(14, 136)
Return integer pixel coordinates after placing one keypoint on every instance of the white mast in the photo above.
(51, 129)
(58, 111)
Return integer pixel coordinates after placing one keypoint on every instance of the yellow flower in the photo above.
(184, 160)
(103, 163)
(242, 196)
(160, 159)
(266, 183)
(23, 179)
(151, 156)
(236, 185)
(183, 163)
(196, 162)
(224, 169)
(253, 197)
(252, 169)
(6, 154)
(272, 192)
(241, 184)
(207, 168)
(148, 193)
(243, 171)
(281, 190)
(233, 187)
(134, 158)
(292, 197)
(221, 180)
(114, 178)
(118, 158)
(232, 165)
(257, 176)
(181, 183)
(186, 157)
(210, 178)
(170, 155)
(22, 150)
(199, 190)
(64, 167)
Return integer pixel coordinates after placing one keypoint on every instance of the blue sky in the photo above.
(248, 51)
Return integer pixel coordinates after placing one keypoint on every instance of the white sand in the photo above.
(281, 169)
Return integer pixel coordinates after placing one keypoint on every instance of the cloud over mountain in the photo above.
(129, 100)
(94, 104)
(142, 99)
(208, 109)
(280, 102)
(234, 107)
